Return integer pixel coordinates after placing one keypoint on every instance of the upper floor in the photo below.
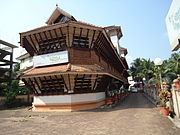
(81, 41)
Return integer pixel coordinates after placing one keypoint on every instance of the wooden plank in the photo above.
(92, 39)
(64, 82)
(74, 31)
(29, 80)
(95, 82)
(80, 36)
(42, 85)
(68, 36)
(82, 81)
(75, 81)
(37, 83)
(52, 38)
(53, 84)
(28, 46)
(69, 82)
(33, 44)
(40, 36)
(37, 41)
(62, 34)
(45, 35)
(29, 86)
(59, 83)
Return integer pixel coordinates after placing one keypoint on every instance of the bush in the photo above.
(10, 96)
(12, 91)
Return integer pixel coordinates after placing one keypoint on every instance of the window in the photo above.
(82, 84)
(53, 45)
(61, 18)
(80, 42)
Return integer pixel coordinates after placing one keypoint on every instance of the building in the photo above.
(173, 25)
(6, 64)
(74, 63)
(131, 81)
(26, 63)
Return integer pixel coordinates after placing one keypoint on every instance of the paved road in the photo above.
(134, 116)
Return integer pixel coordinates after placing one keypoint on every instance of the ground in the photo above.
(133, 116)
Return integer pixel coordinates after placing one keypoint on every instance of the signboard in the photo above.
(173, 24)
(50, 59)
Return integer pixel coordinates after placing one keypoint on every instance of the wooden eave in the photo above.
(43, 28)
(32, 34)
(61, 24)
(117, 28)
(124, 51)
(114, 49)
(32, 42)
(75, 73)
(62, 70)
(125, 62)
(31, 39)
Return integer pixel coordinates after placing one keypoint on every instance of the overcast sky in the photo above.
(142, 21)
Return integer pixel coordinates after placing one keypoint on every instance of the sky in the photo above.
(142, 21)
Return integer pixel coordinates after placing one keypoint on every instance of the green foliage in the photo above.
(142, 68)
(172, 67)
(12, 91)
(10, 96)
(16, 70)
(16, 67)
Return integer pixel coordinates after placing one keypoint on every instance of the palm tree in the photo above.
(172, 67)
(142, 68)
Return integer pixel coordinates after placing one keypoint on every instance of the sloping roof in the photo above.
(61, 24)
(113, 27)
(26, 55)
(124, 51)
(66, 69)
(62, 69)
(57, 12)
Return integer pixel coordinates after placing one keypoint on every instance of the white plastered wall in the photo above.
(115, 40)
(69, 99)
(26, 63)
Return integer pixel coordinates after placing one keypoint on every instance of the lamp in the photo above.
(158, 62)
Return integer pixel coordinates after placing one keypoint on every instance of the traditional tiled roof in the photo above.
(61, 23)
(85, 23)
(42, 27)
(62, 69)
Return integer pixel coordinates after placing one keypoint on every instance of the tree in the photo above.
(12, 91)
(142, 68)
(16, 70)
(172, 67)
